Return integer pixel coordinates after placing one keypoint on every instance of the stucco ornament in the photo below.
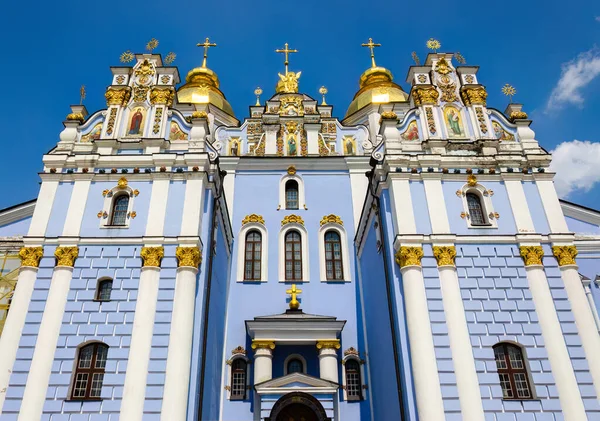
(238, 350)
(425, 95)
(152, 256)
(329, 344)
(65, 256)
(532, 255)
(30, 256)
(444, 255)
(122, 183)
(351, 351)
(472, 96)
(409, 256)
(253, 218)
(292, 219)
(472, 180)
(291, 170)
(163, 96)
(565, 255)
(263, 344)
(331, 219)
(117, 96)
(188, 257)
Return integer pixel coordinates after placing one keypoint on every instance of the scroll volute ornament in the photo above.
(65, 256)
(532, 255)
(117, 96)
(565, 255)
(425, 95)
(263, 344)
(31, 256)
(409, 256)
(152, 256)
(444, 255)
(329, 344)
(162, 96)
(188, 257)
(472, 96)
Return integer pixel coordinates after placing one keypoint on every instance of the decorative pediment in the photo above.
(296, 381)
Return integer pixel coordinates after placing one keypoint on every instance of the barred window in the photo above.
(295, 365)
(89, 372)
(475, 210)
(291, 194)
(293, 256)
(353, 380)
(119, 210)
(333, 256)
(252, 259)
(104, 290)
(238, 379)
(512, 371)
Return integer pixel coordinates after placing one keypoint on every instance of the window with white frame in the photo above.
(294, 363)
(334, 261)
(353, 375)
(478, 209)
(476, 212)
(253, 256)
(293, 253)
(512, 371)
(117, 211)
(291, 192)
(252, 251)
(239, 374)
(120, 207)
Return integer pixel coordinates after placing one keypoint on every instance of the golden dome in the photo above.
(202, 87)
(376, 87)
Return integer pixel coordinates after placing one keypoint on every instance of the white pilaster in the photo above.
(271, 139)
(554, 214)
(436, 205)
(263, 361)
(158, 206)
(76, 208)
(402, 206)
(328, 361)
(359, 184)
(43, 207)
(191, 217)
(590, 298)
(518, 204)
(312, 137)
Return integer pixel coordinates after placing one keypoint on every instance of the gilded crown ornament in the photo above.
(152, 256)
(565, 255)
(293, 292)
(433, 44)
(206, 45)
(532, 255)
(292, 219)
(170, 58)
(444, 255)
(126, 57)
(253, 218)
(258, 92)
(371, 46)
(152, 44)
(76, 117)
(409, 256)
(328, 344)
(188, 257)
(323, 91)
(331, 219)
(509, 91)
(31, 256)
(65, 256)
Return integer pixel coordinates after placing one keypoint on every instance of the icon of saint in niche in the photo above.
(135, 127)
(453, 122)
(234, 148)
(349, 147)
(291, 146)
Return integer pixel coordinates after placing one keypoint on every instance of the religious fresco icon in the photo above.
(136, 126)
(292, 151)
(411, 132)
(234, 147)
(349, 145)
(453, 122)
(500, 133)
(175, 132)
(94, 134)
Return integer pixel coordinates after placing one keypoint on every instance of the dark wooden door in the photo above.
(297, 412)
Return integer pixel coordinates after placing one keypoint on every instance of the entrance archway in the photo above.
(298, 406)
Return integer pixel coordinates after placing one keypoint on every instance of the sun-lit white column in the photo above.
(469, 394)
(15, 320)
(179, 357)
(263, 360)
(34, 395)
(427, 382)
(134, 390)
(328, 359)
(560, 362)
(588, 293)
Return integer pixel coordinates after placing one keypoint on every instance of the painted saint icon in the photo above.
(135, 125)
(291, 146)
(411, 132)
(234, 148)
(349, 146)
(453, 122)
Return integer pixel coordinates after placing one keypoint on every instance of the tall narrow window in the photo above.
(295, 366)
(512, 371)
(333, 256)
(238, 379)
(252, 260)
(293, 256)
(475, 210)
(353, 380)
(104, 289)
(89, 372)
(291, 194)
(119, 211)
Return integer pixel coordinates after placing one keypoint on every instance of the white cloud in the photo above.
(576, 75)
(597, 18)
(576, 166)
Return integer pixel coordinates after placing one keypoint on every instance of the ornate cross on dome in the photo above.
(372, 46)
(286, 51)
(206, 44)
(293, 291)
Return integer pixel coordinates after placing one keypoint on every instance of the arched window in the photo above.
(512, 371)
(104, 289)
(353, 380)
(333, 256)
(252, 257)
(476, 213)
(293, 256)
(291, 194)
(120, 205)
(295, 365)
(89, 372)
(238, 379)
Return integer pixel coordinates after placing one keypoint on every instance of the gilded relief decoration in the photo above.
(188, 257)
(253, 218)
(280, 141)
(565, 255)
(235, 146)
(291, 138)
(425, 95)
(254, 128)
(303, 142)
(469, 78)
(454, 123)
(163, 96)
(328, 128)
(135, 126)
(65, 256)
(409, 256)
(442, 67)
(117, 96)
(157, 120)
(144, 72)
(430, 120)
(518, 115)
(349, 145)
(323, 151)
(292, 219)
(140, 93)
(411, 132)
(474, 96)
(500, 133)
(175, 132)
(532, 255)
(94, 134)
(110, 126)
(481, 119)
(331, 219)
(291, 106)
(329, 344)
(31, 256)
(444, 255)
(288, 83)
(152, 256)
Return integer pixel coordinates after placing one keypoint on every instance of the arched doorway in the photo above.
(298, 406)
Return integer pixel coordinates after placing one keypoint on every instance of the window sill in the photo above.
(521, 399)
(114, 226)
(84, 400)
(100, 301)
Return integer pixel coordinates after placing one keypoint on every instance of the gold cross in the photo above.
(206, 44)
(286, 51)
(372, 46)
(293, 291)
(81, 94)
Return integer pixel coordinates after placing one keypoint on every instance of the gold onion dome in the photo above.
(202, 87)
(376, 87)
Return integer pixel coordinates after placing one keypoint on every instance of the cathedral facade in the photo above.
(410, 261)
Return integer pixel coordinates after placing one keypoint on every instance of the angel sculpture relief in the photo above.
(288, 82)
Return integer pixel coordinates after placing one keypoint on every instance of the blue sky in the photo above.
(549, 51)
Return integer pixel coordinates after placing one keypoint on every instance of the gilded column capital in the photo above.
(152, 256)
(65, 256)
(444, 255)
(409, 256)
(257, 344)
(532, 255)
(474, 95)
(117, 96)
(188, 257)
(162, 96)
(565, 255)
(31, 256)
(425, 95)
(329, 344)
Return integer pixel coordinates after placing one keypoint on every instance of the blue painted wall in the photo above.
(16, 228)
